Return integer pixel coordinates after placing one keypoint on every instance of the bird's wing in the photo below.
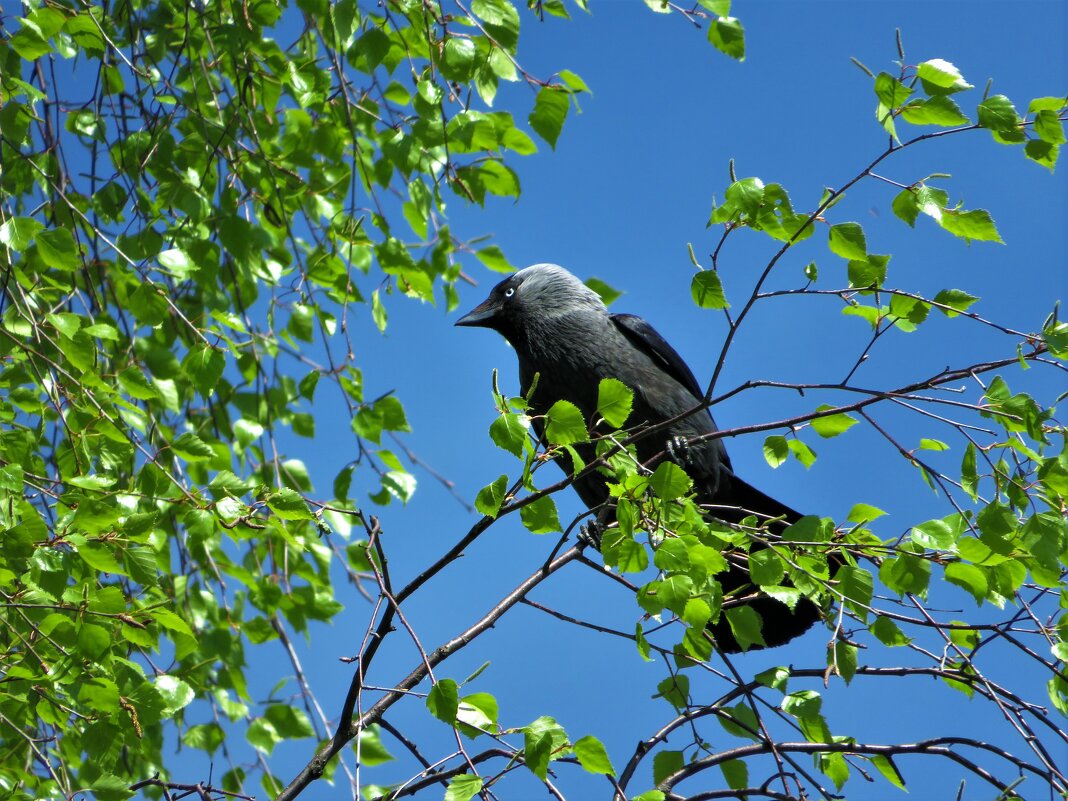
(645, 338)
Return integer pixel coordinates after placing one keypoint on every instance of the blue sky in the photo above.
(629, 185)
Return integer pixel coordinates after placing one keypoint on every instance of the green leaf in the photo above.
(776, 450)
(835, 767)
(999, 115)
(550, 110)
(177, 263)
(100, 557)
(573, 82)
(564, 424)
(18, 232)
(136, 385)
(540, 516)
(614, 401)
(58, 249)
(956, 299)
(463, 787)
(289, 720)
(458, 59)
(869, 272)
(502, 21)
(937, 110)
(609, 294)
(501, 65)
(707, 291)
(399, 483)
(745, 624)
(489, 499)
(203, 365)
(889, 770)
(745, 196)
(856, 585)
(929, 444)
(543, 741)
(847, 240)
(176, 694)
(674, 592)
(443, 701)
(736, 773)
(28, 43)
(675, 690)
(969, 478)
(192, 448)
(247, 431)
(802, 704)
(888, 633)
(288, 504)
(906, 207)
(171, 622)
(261, 735)
(965, 638)
(906, 573)
(209, 736)
(908, 313)
(969, 578)
(385, 414)
(91, 482)
(776, 678)
(370, 748)
(378, 311)
(941, 77)
(727, 35)
(509, 431)
(499, 179)
(720, 8)
(494, 258)
(477, 713)
(890, 91)
(937, 535)
(766, 567)
(910, 202)
(969, 225)
(802, 452)
(592, 755)
(863, 513)
(696, 613)
(833, 424)
(669, 481)
(1049, 127)
(1042, 153)
(740, 721)
(666, 763)
(1047, 104)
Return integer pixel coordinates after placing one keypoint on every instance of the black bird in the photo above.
(562, 332)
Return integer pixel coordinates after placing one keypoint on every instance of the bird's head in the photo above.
(531, 298)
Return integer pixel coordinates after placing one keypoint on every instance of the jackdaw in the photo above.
(564, 335)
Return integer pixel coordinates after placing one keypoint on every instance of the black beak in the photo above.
(483, 315)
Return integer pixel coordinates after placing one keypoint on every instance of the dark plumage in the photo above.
(562, 331)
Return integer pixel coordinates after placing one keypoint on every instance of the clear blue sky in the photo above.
(629, 185)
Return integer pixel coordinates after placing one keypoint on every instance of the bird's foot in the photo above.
(678, 448)
(591, 534)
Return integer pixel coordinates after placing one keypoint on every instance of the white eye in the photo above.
(509, 292)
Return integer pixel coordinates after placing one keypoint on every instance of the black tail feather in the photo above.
(736, 499)
(733, 502)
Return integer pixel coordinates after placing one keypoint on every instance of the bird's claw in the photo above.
(591, 534)
(678, 448)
